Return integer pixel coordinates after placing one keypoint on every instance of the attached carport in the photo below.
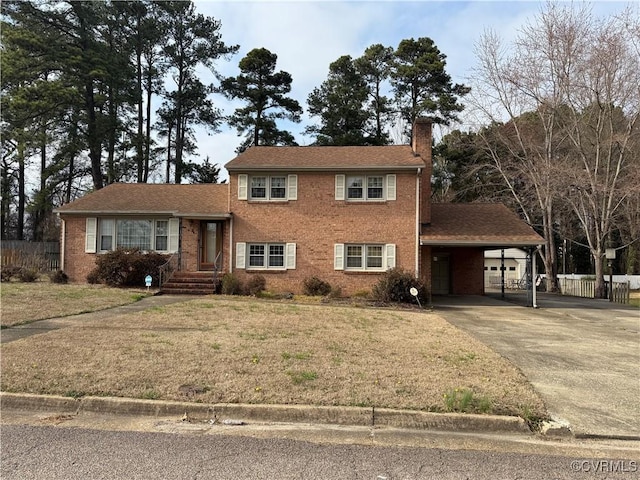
(453, 245)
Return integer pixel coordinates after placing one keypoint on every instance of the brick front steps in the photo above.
(189, 283)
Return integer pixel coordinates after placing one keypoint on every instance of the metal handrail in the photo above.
(167, 269)
(216, 272)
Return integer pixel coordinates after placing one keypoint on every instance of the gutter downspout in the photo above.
(231, 245)
(534, 252)
(418, 222)
(63, 243)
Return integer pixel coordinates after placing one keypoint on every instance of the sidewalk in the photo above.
(42, 326)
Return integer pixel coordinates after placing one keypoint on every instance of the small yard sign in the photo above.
(414, 291)
(147, 281)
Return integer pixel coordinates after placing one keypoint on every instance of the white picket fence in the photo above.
(586, 288)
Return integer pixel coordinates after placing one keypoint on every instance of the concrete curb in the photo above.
(355, 416)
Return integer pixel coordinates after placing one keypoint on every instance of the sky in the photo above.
(309, 35)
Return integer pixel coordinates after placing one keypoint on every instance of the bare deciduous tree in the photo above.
(565, 97)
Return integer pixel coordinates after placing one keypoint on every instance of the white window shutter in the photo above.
(243, 181)
(338, 256)
(340, 180)
(391, 187)
(91, 235)
(290, 250)
(390, 255)
(241, 249)
(174, 234)
(292, 191)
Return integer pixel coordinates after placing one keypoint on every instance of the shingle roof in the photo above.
(477, 224)
(202, 200)
(326, 158)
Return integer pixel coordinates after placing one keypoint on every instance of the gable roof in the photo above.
(396, 157)
(477, 224)
(199, 201)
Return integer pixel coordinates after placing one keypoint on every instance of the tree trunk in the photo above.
(21, 190)
(601, 288)
(93, 139)
(147, 137)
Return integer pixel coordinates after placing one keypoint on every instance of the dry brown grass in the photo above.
(256, 351)
(634, 298)
(27, 302)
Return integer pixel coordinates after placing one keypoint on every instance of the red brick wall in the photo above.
(316, 222)
(421, 144)
(467, 271)
(77, 263)
(190, 246)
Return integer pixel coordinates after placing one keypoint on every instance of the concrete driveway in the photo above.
(581, 355)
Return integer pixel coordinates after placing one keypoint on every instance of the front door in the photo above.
(440, 274)
(210, 245)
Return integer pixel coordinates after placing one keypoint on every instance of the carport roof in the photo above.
(477, 225)
(192, 201)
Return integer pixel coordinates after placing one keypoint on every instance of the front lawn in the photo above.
(27, 302)
(245, 350)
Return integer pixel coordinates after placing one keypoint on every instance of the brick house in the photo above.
(342, 214)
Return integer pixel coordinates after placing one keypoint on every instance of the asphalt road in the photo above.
(581, 355)
(51, 453)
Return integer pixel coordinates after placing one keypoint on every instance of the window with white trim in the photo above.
(364, 257)
(162, 235)
(259, 188)
(266, 255)
(362, 188)
(276, 256)
(145, 234)
(268, 187)
(107, 229)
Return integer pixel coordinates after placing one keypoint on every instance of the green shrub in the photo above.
(126, 268)
(313, 286)
(59, 277)
(255, 285)
(395, 286)
(231, 284)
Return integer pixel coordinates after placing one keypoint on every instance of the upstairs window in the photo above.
(374, 188)
(259, 188)
(362, 188)
(365, 187)
(267, 187)
(278, 188)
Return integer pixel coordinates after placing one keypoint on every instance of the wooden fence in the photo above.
(41, 256)
(580, 287)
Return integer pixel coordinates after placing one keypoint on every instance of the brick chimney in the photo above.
(421, 145)
(421, 138)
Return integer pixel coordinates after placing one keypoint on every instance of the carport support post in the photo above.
(533, 279)
(530, 278)
(502, 271)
